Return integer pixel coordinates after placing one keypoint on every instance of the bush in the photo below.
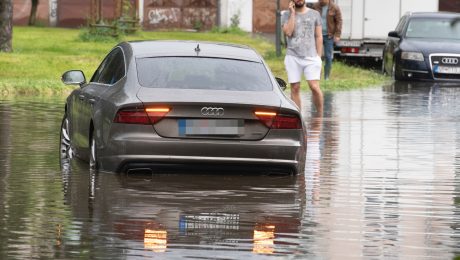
(99, 34)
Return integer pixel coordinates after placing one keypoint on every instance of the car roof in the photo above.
(434, 15)
(168, 48)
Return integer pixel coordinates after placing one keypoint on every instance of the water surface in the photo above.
(382, 181)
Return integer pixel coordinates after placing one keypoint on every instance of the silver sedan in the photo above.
(170, 105)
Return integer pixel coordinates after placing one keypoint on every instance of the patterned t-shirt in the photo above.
(302, 42)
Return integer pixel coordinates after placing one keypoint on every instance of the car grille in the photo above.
(445, 66)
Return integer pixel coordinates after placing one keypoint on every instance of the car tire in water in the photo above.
(93, 164)
(393, 71)
(66, 152)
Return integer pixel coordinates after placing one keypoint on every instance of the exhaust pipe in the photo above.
(140, 171)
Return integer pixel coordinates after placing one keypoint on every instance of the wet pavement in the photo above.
(382, 181)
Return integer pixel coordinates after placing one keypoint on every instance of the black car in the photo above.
(424, 46)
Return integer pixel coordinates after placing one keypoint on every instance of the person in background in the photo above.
(302, 27)
(331, 17)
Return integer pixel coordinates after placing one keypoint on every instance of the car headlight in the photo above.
(412, 56)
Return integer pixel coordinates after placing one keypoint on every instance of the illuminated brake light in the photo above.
(262, 113)
(266, 117)
(156, 113)
(146, 116)
(157, 110)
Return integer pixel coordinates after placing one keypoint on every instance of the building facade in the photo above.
(251, 16)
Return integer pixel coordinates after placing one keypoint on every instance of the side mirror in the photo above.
(394, 34)
(282, 84)
(73, 77)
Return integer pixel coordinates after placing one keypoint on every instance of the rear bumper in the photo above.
(275, 153)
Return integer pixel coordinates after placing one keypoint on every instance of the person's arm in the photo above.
(319, 39)
(289, 26)
(338, 24)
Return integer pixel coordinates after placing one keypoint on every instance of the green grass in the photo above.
(41, 55)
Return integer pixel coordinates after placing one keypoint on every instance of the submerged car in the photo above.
(159, 105)
(424, 46)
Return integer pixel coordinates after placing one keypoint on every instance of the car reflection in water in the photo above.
(164, 213)
(423, 97)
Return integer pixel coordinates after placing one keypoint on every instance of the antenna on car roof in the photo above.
(197, 49)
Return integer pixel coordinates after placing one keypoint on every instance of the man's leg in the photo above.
(317, 96)
(328, 44)
(295, 94)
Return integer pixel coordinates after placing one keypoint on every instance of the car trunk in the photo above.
(210, 114)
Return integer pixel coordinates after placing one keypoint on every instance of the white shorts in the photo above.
(309, 66)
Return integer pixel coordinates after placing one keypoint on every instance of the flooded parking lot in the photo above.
(382, 180)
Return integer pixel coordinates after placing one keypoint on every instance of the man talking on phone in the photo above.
(302, 27)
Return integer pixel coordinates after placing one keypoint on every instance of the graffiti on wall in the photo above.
(205, 16)
(164, 16)
(180, 13)
(183, 3)
(53, 8)
(53, 12)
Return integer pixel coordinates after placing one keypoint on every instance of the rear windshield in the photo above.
(433, 28)
(202, 73)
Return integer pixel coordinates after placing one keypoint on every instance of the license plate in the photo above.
(447, 70)
(209, 221)
(197, 127)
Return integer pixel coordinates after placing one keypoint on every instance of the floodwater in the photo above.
(382, 181)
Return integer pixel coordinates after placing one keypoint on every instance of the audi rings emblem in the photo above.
(212, 111)
(451, 61)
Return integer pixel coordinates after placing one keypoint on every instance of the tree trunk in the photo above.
(6, 25)
(33, 12)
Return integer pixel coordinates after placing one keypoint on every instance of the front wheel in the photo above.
(393, 71)
(93, 164)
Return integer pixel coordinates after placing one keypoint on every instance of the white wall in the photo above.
(229, 8)
(419, 6)
(53, 12)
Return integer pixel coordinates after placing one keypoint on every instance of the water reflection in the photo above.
(186, 213)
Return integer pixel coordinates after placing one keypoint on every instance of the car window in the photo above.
(112, 69)
(203, 73)
(435, 28)
(400, 26)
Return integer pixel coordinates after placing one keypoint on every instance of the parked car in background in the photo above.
(153, 105)
(424, 46)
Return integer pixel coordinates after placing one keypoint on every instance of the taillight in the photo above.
(156, 113)
(350, 50)
(279, 121)
(286, 122)
(132, 116)
(266, 117)
(150, 115)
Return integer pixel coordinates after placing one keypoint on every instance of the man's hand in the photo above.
(292, 7)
